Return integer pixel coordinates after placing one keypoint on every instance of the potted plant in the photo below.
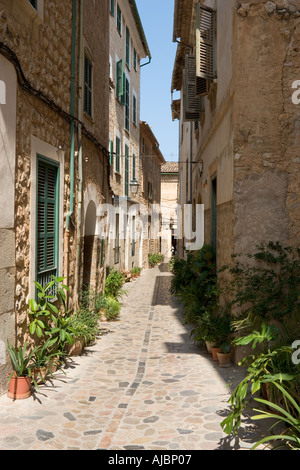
(221, 334)
(20, 379)
(224, 355)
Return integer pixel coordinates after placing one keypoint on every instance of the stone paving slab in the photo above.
(143, 385)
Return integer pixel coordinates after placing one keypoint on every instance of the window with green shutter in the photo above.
(47, 220)
(133, 167)
(111, 153)
(119, 19)
(120, 79)
(134, 109)
(112, 7)
(118, 154)
(126, 103)
(88, 82)
(134, 59)
(127, 48)
(126, 174)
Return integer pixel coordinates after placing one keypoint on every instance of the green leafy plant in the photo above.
(261, 369)
(112, 308)
(20, 359)
(114, 283)
(84, 325)
(136, 271)
(50, 298)
(282, 414)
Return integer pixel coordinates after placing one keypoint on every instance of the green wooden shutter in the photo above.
(126, 175)
(118, 148)
(119, 19)
(134, 109)
(120, 79)
(112, 7)
(87, 105)
(47, 221)
(205, 48)
(127, 104)
(127, 48)
(133, 167)
(111, 153)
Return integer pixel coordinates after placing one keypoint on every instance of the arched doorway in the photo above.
(89, 274)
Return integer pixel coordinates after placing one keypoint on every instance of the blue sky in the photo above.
(157, 20)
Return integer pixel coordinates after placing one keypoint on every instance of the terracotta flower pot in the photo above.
(76, 348)
(224, 359)
(209, 345)
(19, 387)
(214, 352)
(40, 374)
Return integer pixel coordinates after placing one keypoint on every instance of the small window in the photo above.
(88, 97)
(134, 59)
(119, 20)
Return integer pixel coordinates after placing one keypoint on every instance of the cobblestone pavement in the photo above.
(143, 385)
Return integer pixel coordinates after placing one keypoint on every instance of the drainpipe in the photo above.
(146, 63)
(72, 150)
(79, 130)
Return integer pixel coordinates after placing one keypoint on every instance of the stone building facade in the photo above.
(128, 47)
(239, 142)
(54, 136)
(151, 161)
(169, 202)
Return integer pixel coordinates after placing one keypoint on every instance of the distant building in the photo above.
(169, 201)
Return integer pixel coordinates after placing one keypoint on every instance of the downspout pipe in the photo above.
(72, 143)
(79, 132)
(72, 146)
(146, 63)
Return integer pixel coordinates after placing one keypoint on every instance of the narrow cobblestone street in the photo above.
(144, 385)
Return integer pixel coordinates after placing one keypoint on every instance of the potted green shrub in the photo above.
(20, 379)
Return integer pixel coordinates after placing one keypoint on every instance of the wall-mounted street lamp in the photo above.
(134, 187)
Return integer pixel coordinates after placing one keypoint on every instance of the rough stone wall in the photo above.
(266, 123)
(42, 46)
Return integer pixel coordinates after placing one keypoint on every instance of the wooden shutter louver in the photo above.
(205, 48)
(47, 222)
(193, 105)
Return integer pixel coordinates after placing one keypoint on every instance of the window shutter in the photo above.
(47, 221)
(126, 102)
(126, 175)
(193, 105)
(127, 48)
(112, 7)
(111, 153)
(205, 48)
(134, 109)
(120, 79)
(133, 167)
(87, 86)
(118, 146)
